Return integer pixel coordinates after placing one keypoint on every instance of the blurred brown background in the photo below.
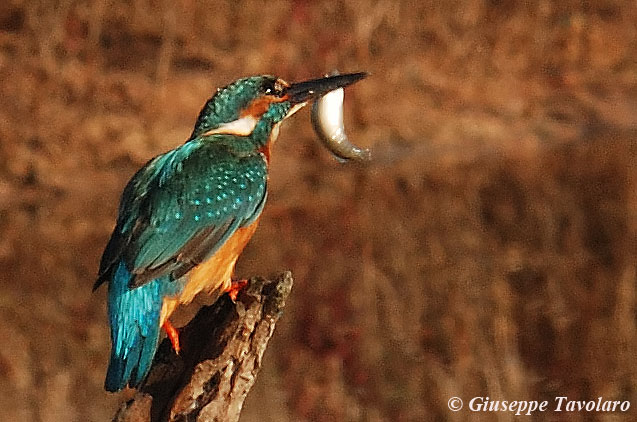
(489, 251)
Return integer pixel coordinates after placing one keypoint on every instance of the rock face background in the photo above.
(490, 250)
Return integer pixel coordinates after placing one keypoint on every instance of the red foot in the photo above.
(235, 288)
(173, 335)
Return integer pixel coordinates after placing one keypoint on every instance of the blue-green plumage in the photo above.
(228, 102)
(176, 212)
(136, 330)
(182, 206)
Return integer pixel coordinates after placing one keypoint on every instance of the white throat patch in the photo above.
(246, 124)
(240, 127)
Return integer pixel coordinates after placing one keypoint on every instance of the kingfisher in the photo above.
(187, 214)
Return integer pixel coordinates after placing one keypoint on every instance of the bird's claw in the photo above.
(173, 335)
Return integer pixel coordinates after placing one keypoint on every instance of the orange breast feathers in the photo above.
(213, 274)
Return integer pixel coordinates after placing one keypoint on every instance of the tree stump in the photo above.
(221, 354)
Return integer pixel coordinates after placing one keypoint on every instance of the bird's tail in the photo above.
(134, 319)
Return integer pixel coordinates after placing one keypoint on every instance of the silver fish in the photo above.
(327, 119)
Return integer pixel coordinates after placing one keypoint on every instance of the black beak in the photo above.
(303, 91)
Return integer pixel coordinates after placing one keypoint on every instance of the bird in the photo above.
(186, 215)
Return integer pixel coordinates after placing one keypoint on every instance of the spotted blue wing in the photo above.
(186, 212)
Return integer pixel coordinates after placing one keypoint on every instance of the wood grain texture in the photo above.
(222, 348)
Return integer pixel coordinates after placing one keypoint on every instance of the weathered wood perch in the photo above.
(222, 348)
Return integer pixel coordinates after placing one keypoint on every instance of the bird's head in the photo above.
(253, 107)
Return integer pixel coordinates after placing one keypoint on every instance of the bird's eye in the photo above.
(268, 88)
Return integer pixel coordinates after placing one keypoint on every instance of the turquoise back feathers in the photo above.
(176, 212)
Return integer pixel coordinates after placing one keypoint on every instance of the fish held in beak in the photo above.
(327, 119)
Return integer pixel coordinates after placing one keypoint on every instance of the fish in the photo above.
(327, 119)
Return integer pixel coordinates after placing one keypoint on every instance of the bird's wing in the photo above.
(176, 212)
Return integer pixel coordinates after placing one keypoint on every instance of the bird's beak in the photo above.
(301, 92)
